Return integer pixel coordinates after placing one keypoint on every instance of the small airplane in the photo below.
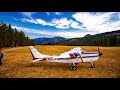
(74, 56)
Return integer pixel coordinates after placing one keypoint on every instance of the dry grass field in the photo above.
(17, 64)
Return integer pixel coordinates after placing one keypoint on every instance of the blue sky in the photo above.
(64, 24)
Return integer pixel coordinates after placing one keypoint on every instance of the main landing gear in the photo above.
(74, 67)
(92, 65)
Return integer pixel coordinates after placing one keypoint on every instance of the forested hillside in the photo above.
(101, 39)
(10, 37)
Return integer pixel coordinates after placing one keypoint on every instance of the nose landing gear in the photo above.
(92, 65)
(74, 68)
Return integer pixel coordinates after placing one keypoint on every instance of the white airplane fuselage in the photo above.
(86, 57)
(74, 56)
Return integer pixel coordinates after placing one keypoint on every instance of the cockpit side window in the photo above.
(83, 52)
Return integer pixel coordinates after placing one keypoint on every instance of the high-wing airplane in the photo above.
(74, 56)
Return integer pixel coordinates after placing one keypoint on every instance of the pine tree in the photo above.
(10, 37)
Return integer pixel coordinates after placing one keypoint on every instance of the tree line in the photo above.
(10, 37)
(112, 39)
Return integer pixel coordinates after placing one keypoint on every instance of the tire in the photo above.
(92, 65)
(74, 68)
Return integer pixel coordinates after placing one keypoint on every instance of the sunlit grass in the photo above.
(17, 64)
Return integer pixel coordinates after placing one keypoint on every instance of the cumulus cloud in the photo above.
(76, 25)
(29, 20)
(64, 23)
(28, 14)
(42, 22)
(30, 30)
(66, 34)
(61, 23)
(99, 22)
(87, 21)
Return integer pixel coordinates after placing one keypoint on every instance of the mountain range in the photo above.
(48, 40)
(103, 39)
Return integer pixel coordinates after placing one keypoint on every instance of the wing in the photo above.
(77, 49)
(70, 54)
(36, 54)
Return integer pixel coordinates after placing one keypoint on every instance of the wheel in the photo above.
(92, 65)
(74, 68)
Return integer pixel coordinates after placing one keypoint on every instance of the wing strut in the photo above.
(81, 58)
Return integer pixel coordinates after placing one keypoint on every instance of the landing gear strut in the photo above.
(92, 65)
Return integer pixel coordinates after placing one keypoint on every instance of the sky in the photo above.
(63, 24)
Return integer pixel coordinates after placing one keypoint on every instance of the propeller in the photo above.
(99, 52)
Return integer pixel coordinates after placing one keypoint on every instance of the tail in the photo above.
(35, 54)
